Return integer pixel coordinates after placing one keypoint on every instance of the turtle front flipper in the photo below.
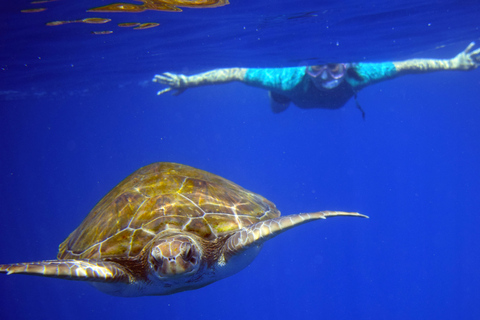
(258, 233)
(82, 270)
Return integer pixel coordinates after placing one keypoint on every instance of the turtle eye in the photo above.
(189, 255)
(157, 258)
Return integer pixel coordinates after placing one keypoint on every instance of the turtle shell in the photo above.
(158, 198)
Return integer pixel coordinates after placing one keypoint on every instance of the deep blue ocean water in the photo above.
(79, 113)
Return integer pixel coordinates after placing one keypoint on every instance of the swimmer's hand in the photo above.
(466, 60)
(181, 82)
(177, 82)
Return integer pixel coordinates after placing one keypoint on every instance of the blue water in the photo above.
(79, 113)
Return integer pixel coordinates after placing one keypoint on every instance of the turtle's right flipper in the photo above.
(83, 270)
(258, 233)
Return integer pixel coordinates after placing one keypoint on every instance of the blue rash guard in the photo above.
(293, 84)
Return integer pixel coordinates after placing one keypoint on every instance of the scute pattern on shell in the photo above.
(158, 198)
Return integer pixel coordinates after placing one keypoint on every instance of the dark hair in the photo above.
(352, 73)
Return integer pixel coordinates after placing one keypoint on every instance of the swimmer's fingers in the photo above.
(475, 56)
(467, 60)
(164, 91)
(170, 79)
(158, 78)
(176, 93)
(469, 47)
(173, 81)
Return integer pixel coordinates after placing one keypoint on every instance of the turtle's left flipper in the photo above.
(86, 270)
(258, 233)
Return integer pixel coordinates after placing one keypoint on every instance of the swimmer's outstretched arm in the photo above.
(465, 60)
(181, 82)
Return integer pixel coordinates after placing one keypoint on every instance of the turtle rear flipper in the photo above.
(83, 270)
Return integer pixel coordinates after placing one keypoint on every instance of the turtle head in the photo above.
(175, 256)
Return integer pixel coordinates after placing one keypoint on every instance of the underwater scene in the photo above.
(148, 148)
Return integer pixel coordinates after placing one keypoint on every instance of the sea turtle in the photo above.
(167, 228)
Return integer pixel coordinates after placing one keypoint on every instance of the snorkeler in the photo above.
(320, 86)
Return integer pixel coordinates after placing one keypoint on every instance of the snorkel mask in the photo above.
(327, 76)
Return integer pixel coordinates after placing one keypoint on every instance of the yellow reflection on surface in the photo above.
(129, 24)
(57, 23)
(86, 20)
(120, 7)
(33, 10)
(160, 5)
(147, 25)
(194, 3)
(42, 1)
(94, 20)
